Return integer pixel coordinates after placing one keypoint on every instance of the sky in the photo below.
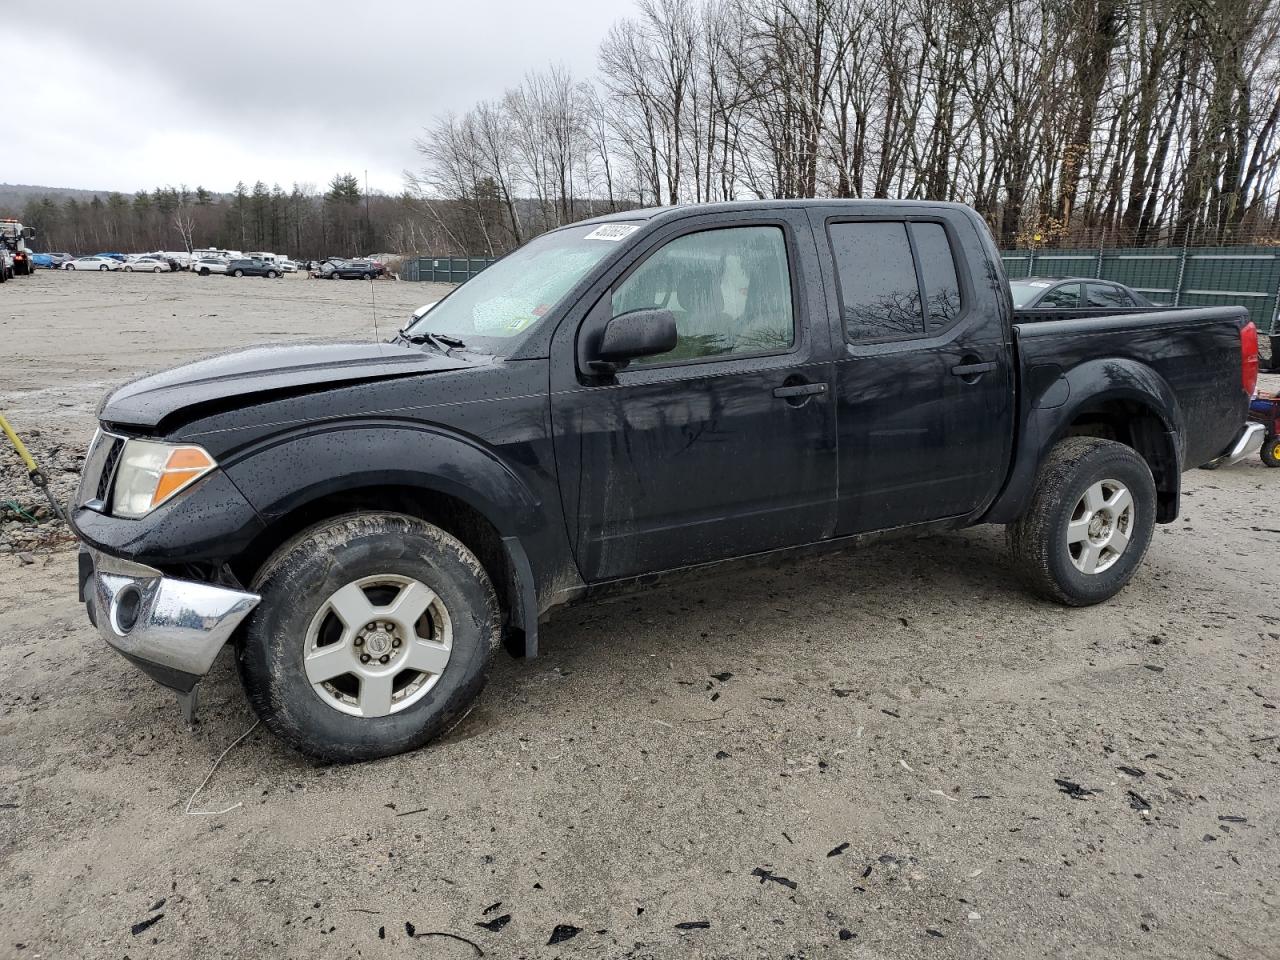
(144, 94)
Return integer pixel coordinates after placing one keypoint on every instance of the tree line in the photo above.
(1062, 121)
(303, 222)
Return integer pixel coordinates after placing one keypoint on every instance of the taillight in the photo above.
(1249, 358)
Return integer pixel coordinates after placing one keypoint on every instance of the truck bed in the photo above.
(1192, 352)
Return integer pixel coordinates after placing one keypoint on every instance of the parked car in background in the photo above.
(252, 268)
(207, 265)
(50, 261)
(1075, 293)
(287, 266)
(334, 269)
(114, 256)
(6, 263)
(148, 264)
(96, 262)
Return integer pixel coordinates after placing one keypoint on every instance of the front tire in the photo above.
(103, 269)
(1089, 523)
(374, 634)
(204, 271)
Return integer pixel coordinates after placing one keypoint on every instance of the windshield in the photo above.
(1025, 291)
(512, 296)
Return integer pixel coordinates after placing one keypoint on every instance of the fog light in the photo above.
(128, 604)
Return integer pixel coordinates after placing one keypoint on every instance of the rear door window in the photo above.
(896, 279)
(879, 290)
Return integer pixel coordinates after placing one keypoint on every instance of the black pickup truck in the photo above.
(648, 392)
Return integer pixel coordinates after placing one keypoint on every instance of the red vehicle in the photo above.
(1265, 409)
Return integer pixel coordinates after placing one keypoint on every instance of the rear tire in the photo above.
(204, 271)
(1270, 452)
(103, 269)
(238, 273)
(1089, 523)
(296, 637)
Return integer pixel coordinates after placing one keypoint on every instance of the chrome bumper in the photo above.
(1247, 444)
(171, 628)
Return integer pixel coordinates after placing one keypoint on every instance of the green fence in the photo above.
(1181, 277)
(445, 269)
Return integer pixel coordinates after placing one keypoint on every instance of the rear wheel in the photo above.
(1089, 523)
(374, 634)
(1270, 452)
(204, 271)
(238, 273)
(103, 268)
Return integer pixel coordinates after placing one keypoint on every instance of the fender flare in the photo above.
(1056, 398)
(284, 473)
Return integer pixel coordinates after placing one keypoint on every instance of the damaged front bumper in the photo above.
(170, 628)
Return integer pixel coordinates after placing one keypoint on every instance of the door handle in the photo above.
(792, 390)
(972, 368)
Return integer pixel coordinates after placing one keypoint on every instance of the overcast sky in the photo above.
(129, 96)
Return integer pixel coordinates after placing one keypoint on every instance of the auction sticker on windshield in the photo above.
(612, 231)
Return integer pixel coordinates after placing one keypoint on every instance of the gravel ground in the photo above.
(890, 753)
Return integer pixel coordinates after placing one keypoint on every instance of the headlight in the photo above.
(150, 473)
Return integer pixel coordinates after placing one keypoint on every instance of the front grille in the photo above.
(99, 470)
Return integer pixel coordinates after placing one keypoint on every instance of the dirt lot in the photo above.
(854, 757)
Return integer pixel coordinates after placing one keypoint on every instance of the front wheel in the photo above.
(374, 634)
(1270, 452)
(204, 271)
(103, 269)
(156, 270)
(271, 274)
(1089, 523)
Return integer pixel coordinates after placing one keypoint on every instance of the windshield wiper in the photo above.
(441, 341)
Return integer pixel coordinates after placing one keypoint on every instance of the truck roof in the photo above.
(744, 206)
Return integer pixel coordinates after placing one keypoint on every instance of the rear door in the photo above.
(726, 445)
(923, 379)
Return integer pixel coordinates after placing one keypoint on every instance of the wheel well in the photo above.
(1138, 426)
(450, 514)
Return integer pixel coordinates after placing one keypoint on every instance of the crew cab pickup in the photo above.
(653, 391)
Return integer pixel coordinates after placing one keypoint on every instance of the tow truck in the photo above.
(13, 236)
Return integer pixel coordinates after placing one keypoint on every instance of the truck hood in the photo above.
(275, 370)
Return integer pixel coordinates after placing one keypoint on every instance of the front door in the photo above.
(726, 445)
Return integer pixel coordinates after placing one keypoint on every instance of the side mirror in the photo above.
(640, 333)
(28, 233)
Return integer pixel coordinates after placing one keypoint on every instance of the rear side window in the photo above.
(882, 294)
(1066, 295)
(1105, 295)
(938, 270)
